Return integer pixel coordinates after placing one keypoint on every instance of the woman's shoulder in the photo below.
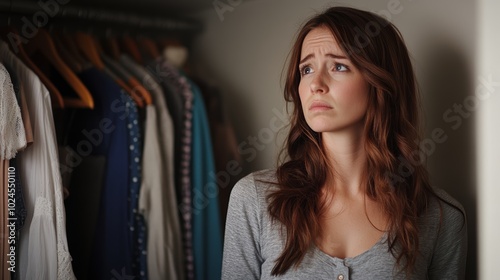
(255, 186)
(248, 202)
(261, 180)
(446, 207)
(444, 215)
(443, 233)
(264, 175)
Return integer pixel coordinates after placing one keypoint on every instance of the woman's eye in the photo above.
(305, 70)
(341, 67)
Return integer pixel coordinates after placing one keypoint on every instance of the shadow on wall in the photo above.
(447, 88)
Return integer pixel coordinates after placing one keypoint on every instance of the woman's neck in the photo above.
(348, 158)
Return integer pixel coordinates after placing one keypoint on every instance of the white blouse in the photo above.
(43, 250)
(12, 134)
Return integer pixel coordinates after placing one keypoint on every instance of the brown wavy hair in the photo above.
(392, 130)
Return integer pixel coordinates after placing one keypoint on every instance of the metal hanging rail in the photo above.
(84, 14)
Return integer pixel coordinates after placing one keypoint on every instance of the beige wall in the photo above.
(244, 49)
(488, 139)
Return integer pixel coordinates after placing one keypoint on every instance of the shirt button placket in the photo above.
(343, 272)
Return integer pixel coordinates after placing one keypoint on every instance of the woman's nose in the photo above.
(318, 84)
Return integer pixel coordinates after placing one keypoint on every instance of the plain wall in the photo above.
(488, 137)
(244, 48)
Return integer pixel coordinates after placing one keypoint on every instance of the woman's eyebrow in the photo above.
(309, 56)
(336, 56)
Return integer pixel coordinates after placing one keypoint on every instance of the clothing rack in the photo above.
(11, 11)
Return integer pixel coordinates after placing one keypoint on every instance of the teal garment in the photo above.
(207, 234)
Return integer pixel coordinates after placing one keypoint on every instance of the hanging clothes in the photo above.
(104, 130)
(179, 99)
(141, 187)
(228, 162)
(82, 210)
(136, 222)
(158, 198)
(13, 136)
(13, 139)
(43, 246)
(14, 193)
(200, 209)
(178, 102)
(207, 236)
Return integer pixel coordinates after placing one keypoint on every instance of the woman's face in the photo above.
(333, 93)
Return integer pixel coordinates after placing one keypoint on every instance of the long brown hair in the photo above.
(396, 173)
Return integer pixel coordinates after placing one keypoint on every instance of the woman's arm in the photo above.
(450, 253)
(242, 258)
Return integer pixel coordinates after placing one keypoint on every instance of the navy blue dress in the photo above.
(104, 131)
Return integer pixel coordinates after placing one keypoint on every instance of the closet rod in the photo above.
(67, 12)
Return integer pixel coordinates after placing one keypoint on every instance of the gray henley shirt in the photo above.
(252, 243)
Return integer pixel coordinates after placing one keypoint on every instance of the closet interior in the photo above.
(113, 153)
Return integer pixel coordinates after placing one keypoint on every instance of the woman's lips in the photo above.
(319, 106)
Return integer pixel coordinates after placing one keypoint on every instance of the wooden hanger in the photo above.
(88, 46)
(111, 47)
(150, 47)
(111, 68)
(130, 47)
(70, 44)
(42, 43)
(137, 99)
(71, 60)
(143, 92)
(134, 88)
(55, 96)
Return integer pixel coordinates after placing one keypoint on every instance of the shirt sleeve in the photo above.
(450, 252)
(242, 257)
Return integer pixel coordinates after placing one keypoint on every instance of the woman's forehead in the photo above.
(320, 38)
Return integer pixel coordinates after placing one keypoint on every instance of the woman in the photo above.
(352, 200)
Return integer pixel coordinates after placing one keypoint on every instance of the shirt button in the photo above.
(341, 277)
